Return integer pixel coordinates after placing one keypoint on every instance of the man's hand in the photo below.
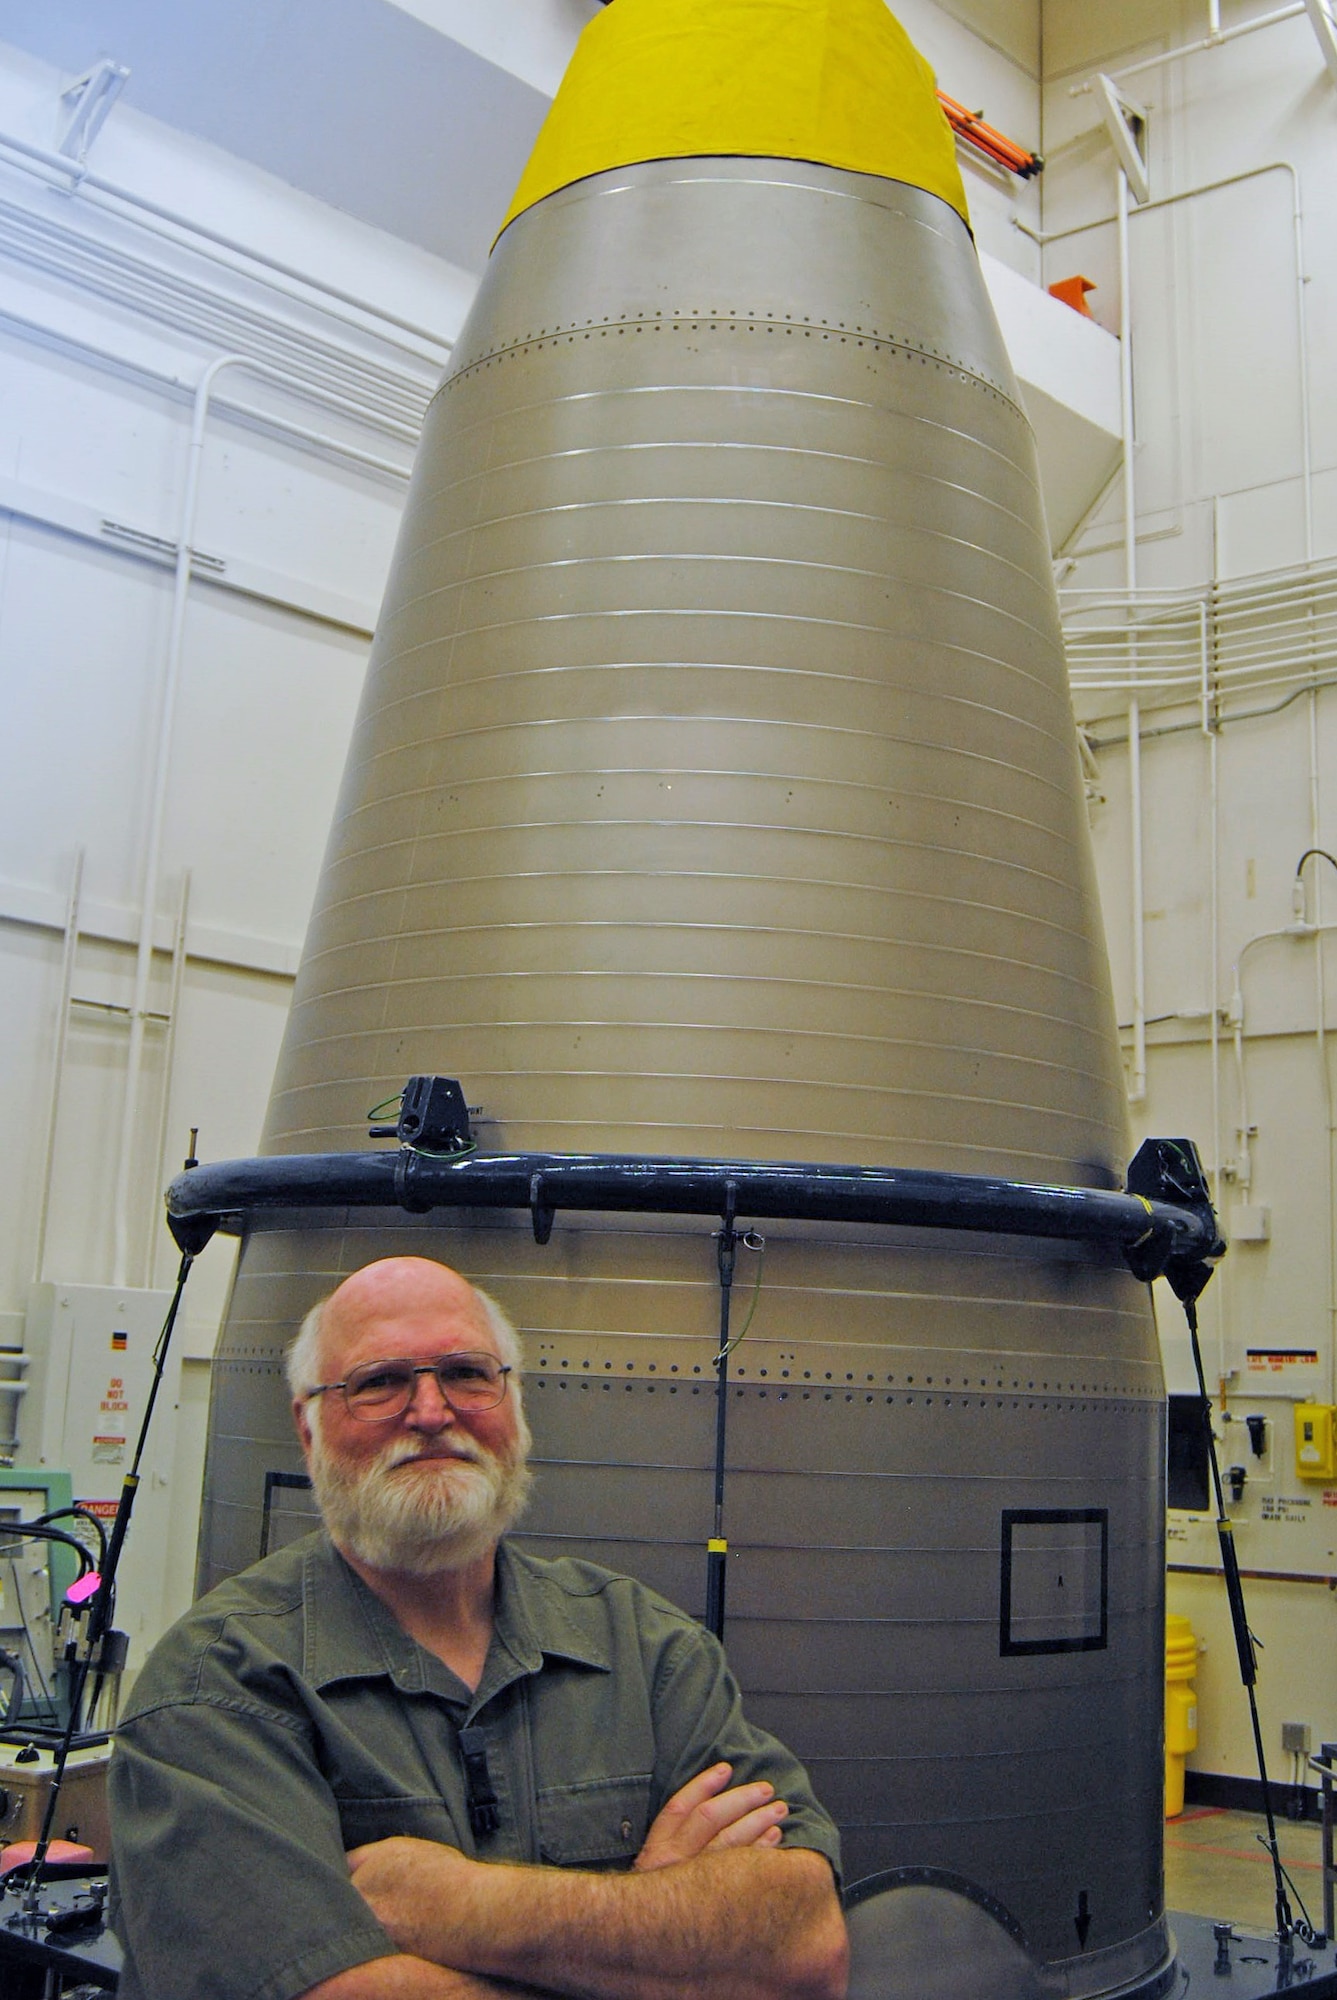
(412, 1886)
(706, 1817)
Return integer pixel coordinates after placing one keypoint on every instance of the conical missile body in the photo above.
(715, 793)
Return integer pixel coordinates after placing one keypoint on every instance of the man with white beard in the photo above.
(403, 1760)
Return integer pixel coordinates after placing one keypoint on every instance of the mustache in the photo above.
(462, 1450)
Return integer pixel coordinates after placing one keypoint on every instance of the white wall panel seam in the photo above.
(227, 573)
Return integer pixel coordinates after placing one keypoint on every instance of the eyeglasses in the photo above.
(379, 1391)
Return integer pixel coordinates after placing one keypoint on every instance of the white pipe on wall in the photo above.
(74, 178)
(1321, 1034)
(1138, 1087)
(155, 1223)
(158, 794)
(175, 387)
(1045, 237)
(71, 946)
(1214, 38)
(157, 291)
(157, 813)
(1137, 1091)
(1217, 1180)
(1298, 930)
(1325, 1074)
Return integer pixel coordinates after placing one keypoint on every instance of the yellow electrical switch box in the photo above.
(1316, 1441)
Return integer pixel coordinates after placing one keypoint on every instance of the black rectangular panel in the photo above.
(1054, 1594)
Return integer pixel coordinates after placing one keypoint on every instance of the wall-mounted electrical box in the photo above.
(90, 1350)
(1316, 1441)
(1249, 1222)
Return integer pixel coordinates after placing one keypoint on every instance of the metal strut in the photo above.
(1170, 1231)
(1164, 1224)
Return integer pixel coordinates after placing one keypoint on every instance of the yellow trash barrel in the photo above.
(1181, 1708)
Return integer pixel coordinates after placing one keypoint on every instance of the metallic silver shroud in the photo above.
(715, 791)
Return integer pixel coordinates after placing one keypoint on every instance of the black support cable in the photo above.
(717, 1548)
(1287, 1927)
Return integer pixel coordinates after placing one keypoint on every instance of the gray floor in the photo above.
(1216, 1867)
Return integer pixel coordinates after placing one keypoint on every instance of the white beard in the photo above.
(423, 1522)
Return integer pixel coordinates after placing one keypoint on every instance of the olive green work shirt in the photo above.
(288, 1717)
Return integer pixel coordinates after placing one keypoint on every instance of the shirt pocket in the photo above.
(601, 1824)
(363, 1820)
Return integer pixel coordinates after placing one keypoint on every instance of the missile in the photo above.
(715, 795)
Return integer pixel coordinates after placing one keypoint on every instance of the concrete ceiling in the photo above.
(361, 103)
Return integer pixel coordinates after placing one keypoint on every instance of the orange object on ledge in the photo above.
(1073, 293)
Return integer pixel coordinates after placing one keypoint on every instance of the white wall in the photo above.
(1220, 493)
(95, 416)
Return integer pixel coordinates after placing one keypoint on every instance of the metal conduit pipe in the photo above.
(1210, 729)
(157, 813)
(69, 948)
(1121, 218)
(179, 936)
(76, 179)
(1138, 1088)
(179, 390)
(108, 272)
(158, 794)
(1044, 237)
(1216, 35)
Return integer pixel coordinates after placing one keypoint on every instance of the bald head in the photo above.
(390, 1290)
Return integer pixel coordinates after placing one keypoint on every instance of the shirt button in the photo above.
(626, 1829)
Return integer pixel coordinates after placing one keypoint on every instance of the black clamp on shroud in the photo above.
(1169, 1171)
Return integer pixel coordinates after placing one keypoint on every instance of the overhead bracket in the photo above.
(1126, 123)
(1325, 27)
(90, 97)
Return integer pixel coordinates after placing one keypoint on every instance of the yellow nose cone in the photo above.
(838, 82)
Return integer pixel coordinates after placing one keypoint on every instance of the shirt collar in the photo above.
(536, 1617)
(351, 1635)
